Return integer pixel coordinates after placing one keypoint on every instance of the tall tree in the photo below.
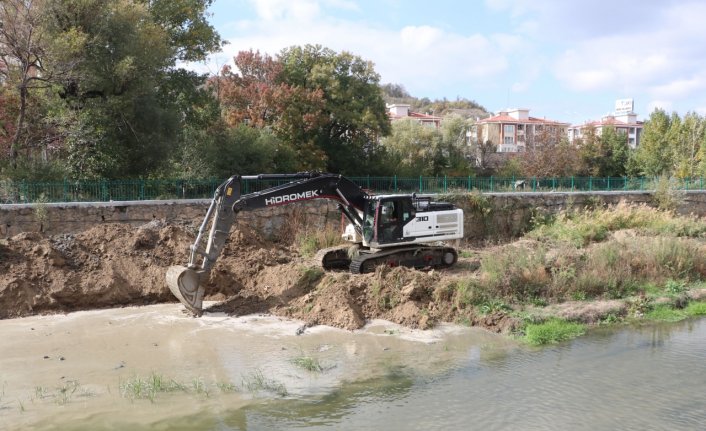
(687, 148)
(353, 117)
(614, 152)
(186, 23)
(414, 148)
(21, 60)
(654, 156)
(126, 101)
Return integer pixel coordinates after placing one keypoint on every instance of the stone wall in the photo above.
(487, 216)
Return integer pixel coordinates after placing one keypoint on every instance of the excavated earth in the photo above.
(117, 265)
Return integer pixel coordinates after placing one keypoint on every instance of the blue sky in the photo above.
(566, 60)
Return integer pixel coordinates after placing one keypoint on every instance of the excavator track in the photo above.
(412, 257)
(337, 257)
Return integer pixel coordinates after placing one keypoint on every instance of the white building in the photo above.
(623, 120)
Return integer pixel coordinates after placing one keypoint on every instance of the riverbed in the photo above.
(89, 370)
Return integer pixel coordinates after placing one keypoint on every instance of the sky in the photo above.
(566, 60)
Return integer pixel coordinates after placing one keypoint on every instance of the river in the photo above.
(80, 371)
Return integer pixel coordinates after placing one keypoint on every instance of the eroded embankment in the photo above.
(115, 265)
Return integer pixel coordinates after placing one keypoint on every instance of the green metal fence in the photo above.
(127, 190)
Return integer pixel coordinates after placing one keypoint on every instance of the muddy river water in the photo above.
(93, 370)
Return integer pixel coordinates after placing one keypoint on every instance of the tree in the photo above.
(589, 148)
(187, 27)
(654, 155)
(353, 117)
(125, 103)
(21, 61)
(615, 153)
(413, 147)
(558, 160)
(687, 149)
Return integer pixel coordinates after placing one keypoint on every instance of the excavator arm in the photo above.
(187, 283)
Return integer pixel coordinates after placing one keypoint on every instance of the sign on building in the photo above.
(624, 106)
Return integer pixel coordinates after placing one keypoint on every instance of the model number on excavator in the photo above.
(293, 197)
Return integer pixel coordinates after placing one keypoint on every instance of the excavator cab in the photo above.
(385, 217)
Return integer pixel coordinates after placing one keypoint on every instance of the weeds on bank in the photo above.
(610, 270)
(310, 241)
(552, 331)
(580, 228)
(309, 276)
(668, 313)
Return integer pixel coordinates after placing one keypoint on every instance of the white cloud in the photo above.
(665, 105)
(654, 50)
(421, 57)
(300, 10)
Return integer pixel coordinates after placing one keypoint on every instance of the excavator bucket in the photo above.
(185, 284)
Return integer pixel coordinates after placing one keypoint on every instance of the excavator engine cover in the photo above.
(185, 285)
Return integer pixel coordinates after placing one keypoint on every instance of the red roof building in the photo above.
(513, 130)
(401, 111)
(622, 122)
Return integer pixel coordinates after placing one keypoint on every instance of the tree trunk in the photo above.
(15, 143)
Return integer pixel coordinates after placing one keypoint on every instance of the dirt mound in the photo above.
(115, 265)
(108, 265)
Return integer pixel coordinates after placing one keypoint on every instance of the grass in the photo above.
(148, 388)
(696, 309)
(309, 276)
(309, 242)
(226, 387)
(581, 228)
(665, 313)
(308, 363)
(257, 382)
(552, 331)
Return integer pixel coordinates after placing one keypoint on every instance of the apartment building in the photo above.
(623, 120)
(400, 111)
(513, 130)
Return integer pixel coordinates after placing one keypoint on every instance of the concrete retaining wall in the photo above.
(486, 216)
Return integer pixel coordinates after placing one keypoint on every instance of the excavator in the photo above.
(392, 230)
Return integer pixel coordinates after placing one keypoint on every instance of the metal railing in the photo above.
(128, 190)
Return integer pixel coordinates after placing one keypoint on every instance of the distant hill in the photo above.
(396, 93)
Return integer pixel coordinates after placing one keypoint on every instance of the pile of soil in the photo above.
(116, 265)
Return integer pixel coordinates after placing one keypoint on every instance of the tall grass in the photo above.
(581, 228)
(612, 269)
(515, 272)
(309, 241)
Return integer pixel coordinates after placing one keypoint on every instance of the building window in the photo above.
(509, 140)
(509, 129)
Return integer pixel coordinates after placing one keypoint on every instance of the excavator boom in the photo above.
(187, 282)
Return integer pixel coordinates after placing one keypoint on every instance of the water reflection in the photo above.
(636, 377)
(648, 377)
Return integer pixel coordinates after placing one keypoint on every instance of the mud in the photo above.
(117, 265)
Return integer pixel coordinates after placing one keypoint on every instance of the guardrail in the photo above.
(128, 190)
